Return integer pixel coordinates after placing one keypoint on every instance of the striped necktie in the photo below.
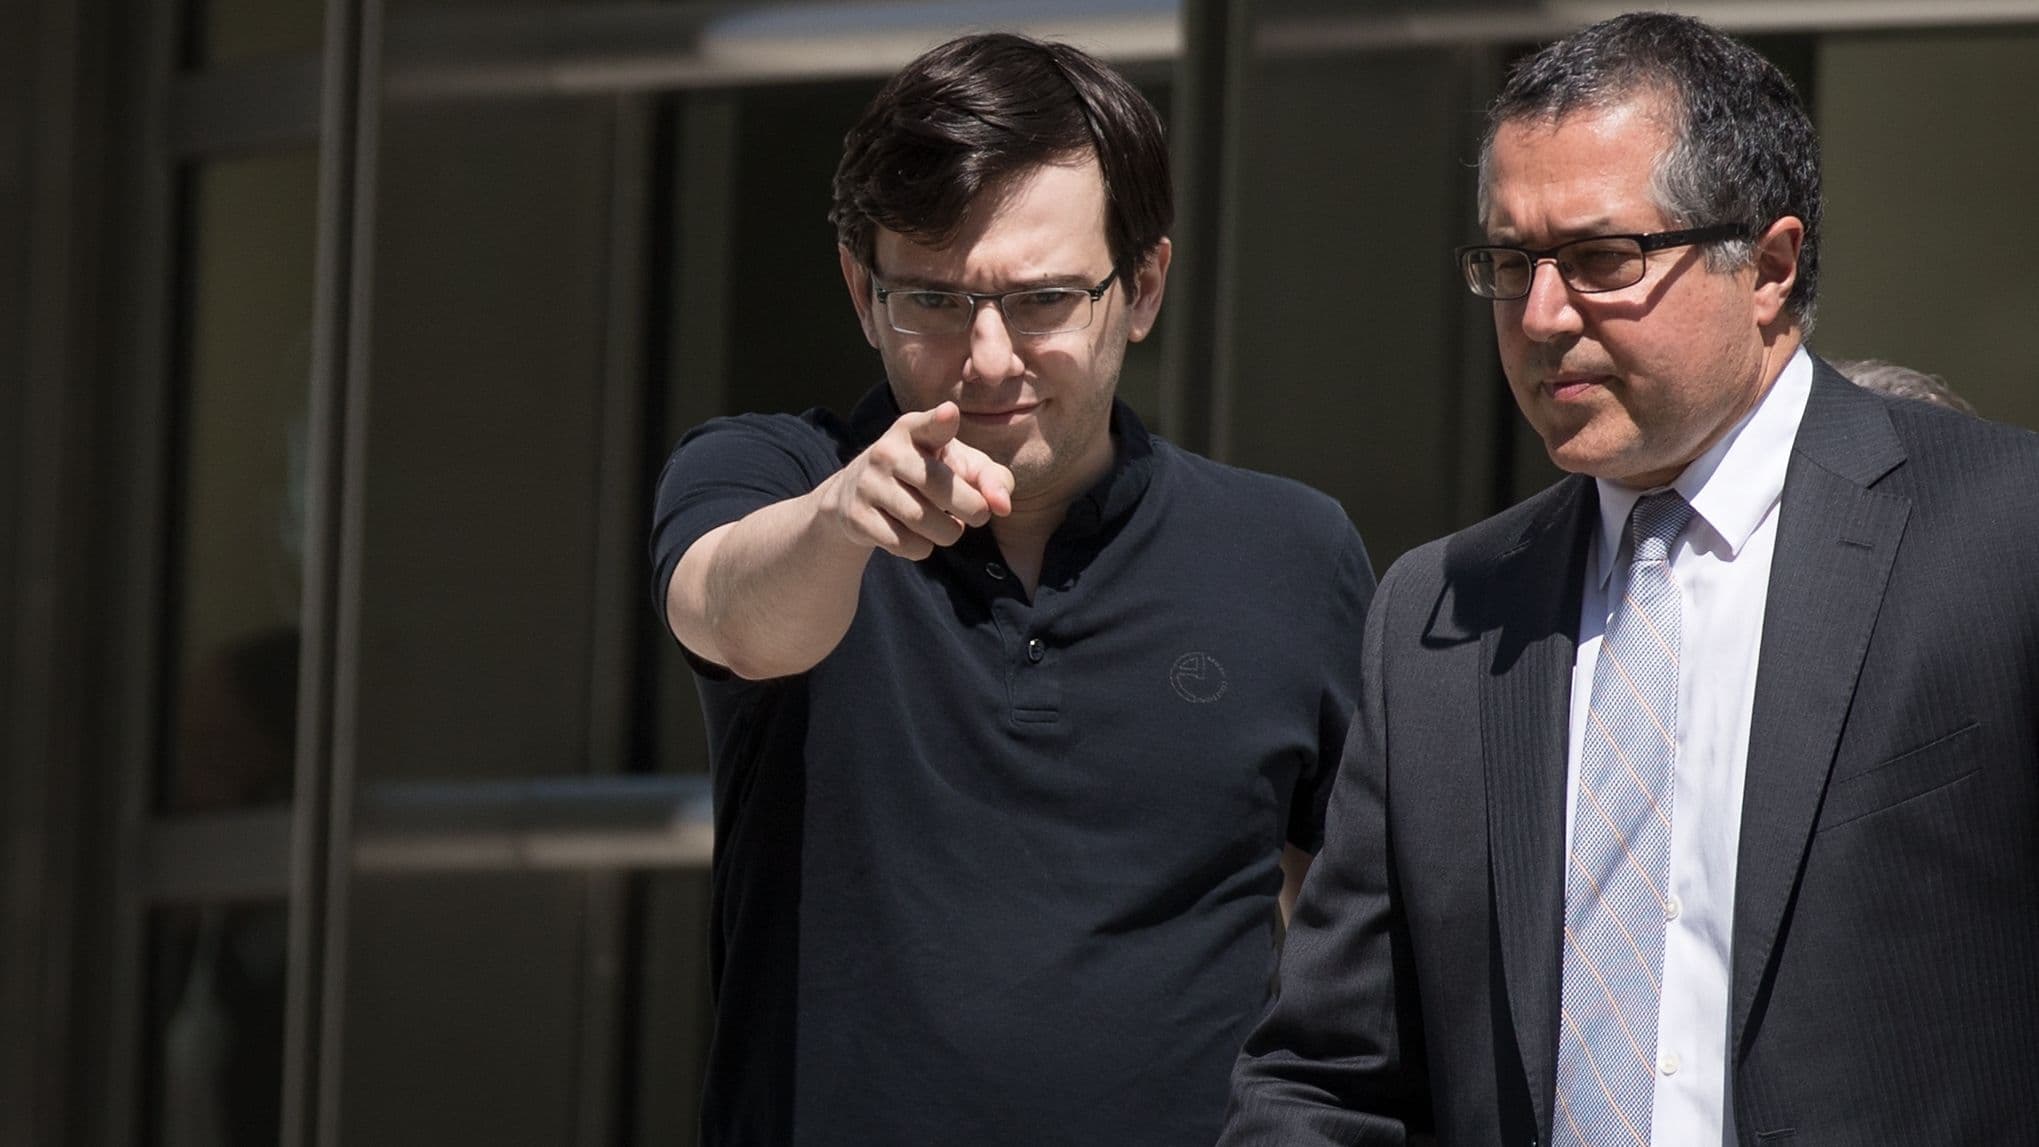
(1616, 876)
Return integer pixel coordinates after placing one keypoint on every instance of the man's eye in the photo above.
(930, 300)
(1506, 270)
(1047, 301)
(1610, 263)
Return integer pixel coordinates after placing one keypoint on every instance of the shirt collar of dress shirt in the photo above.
(1732, 486)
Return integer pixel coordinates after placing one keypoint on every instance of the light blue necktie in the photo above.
(1616, 889)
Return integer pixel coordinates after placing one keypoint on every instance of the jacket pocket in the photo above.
(1916, 772)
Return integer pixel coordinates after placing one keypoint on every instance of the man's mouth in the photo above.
(1565, 387)
(1000, 415)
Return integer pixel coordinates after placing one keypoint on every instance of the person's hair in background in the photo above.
(977, 111)
(1901, 382)
(1743, 149)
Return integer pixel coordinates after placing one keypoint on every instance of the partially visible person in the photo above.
(1017, 713)
(218, 983)
(1900, 382)
(1695, 800)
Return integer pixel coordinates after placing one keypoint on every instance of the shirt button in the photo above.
(1669, 1063)
(1672, 907)
(996, 571)
(1036, 649)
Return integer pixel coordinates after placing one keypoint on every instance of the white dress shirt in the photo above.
(1722, 565)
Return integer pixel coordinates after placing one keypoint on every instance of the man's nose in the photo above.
(1549, 311)
(994, 356)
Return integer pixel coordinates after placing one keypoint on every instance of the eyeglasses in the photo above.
(1590, 265)
(1032, 311)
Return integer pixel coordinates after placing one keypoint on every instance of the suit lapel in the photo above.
(1527, 649)
(1836, 539)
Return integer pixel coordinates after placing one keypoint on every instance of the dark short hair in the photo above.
(1744, 149)
(969, 116)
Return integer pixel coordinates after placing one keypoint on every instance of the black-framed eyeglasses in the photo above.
(1029, 311)
(1590, 266)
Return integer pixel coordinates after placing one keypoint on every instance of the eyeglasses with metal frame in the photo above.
(1590, 266)
(1027, 311)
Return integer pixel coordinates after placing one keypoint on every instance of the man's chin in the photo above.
(1577, 453)
(1001, 444)
(1621, 467)
(1032, 471)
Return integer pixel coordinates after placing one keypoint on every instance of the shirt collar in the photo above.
(1733, 486)
(1113, 496)
(873, 415)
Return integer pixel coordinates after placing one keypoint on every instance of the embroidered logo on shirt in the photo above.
(1197, 678)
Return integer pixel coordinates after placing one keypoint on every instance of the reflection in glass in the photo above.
(236, 724)
(240, 503)
(214, 1065)
(492, 308)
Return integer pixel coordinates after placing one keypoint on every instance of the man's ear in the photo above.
(1152, 283)
(857, 278)
(1776, 262)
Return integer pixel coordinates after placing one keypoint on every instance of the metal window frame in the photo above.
(1411, 25)
(635, 46)
(133, 692)
(59, 131)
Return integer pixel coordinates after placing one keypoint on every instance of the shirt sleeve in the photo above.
(1349, 591)
(1337, 1057)
(724, 470)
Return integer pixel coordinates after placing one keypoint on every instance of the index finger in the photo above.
(992, 481)
(932, 429)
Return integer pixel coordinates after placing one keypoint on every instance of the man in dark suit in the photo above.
(1696, 799)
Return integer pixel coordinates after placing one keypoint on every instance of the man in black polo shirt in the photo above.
(1013, 707)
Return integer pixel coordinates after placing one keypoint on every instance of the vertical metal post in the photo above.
(322, 816)
(618, 601)
(1479, 416)
(1197, 367)
(59, 123)
(133, 693)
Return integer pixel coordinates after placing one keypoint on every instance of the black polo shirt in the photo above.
(1000, 871)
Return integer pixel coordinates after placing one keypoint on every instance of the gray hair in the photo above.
(1900, 382)
(1743, 150)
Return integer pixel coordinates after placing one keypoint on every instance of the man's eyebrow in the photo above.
(1590, 229)
(914, 282)
(1075, 280)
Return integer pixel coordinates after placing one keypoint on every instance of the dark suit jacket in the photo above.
(1885, 968)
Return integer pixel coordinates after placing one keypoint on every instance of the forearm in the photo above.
(769, 595)
(1295, 864)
